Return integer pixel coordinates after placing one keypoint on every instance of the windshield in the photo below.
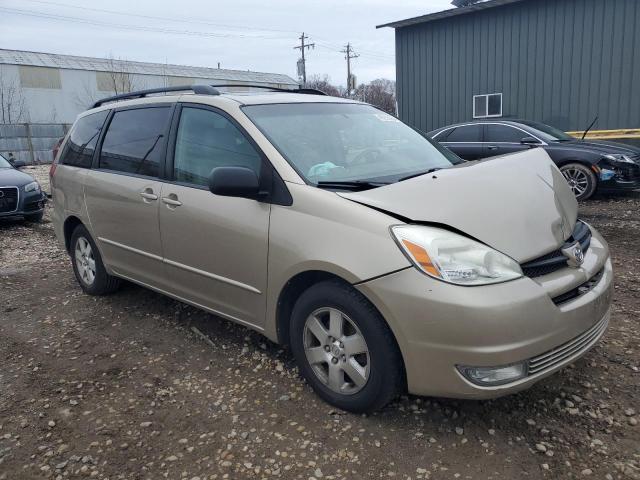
(547, 132)
(4, 163)
(340, 142)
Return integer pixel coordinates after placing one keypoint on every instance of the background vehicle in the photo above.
(336, 229)
(20, 194)
(588, 166)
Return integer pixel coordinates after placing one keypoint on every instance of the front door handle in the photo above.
(492, 147)
(174, 202)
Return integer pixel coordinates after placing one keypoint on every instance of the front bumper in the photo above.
(29, 203)
(439, 326)
(626, 178)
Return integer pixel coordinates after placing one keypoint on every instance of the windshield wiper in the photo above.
(413, 175)
(350, 184)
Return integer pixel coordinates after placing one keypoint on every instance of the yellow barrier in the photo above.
(603, 134)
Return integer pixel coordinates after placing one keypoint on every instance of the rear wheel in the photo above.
(581, 180)
(344, 348)
(88, 266)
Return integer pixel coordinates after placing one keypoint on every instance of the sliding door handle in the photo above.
(148, 196)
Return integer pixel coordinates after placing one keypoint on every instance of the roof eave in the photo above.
(451, 12)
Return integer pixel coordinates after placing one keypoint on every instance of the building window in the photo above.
(489, 105)
(39, 77)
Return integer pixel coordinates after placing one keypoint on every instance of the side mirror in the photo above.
(234, 182)
(530, 141)
(18, 163)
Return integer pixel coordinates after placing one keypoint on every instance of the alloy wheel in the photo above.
(85, 262)
(336, 351)
(577, 180)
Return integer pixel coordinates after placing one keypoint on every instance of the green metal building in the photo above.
(562, 62)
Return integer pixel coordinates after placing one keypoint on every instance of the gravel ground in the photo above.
(124, 387)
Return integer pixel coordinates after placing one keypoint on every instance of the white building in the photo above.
(39, 88)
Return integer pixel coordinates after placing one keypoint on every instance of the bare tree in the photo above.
(119, 80)
(380, 92)
(115, 81)
(85, 97)
(323, 83)
(13, 107)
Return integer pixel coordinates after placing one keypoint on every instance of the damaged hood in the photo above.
(519, 204)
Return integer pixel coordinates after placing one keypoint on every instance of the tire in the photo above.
(378, 374)
(84, 255)
(581, 180)
(35, 218)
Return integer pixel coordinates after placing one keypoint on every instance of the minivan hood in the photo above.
(519, 204)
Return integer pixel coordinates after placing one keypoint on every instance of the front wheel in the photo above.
(581, 180)
(344, 348)
(88, 266)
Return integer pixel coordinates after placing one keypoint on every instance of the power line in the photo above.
(302, 66)
(65, 18)
(155, 17)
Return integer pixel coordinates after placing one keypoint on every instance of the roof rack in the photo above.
(307, 91)
(199, 89)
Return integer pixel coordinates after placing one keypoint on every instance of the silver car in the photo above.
(383, 261)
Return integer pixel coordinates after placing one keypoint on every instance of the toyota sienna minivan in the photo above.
(384, 262)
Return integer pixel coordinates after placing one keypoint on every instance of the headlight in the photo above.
(454, 258)
(32, 187)
(618, 157)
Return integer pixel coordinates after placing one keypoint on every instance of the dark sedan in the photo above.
(587, 165)
(20, 194)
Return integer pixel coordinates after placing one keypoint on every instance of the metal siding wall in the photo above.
(560, 62)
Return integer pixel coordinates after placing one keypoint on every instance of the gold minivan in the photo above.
(383, 261)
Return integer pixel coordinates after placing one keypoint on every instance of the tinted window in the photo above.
(442, 136)
(81, 144)
(134, 142)
(207, 140)
(468, 133)
(503, 133)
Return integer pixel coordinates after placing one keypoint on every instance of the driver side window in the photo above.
(206, 140)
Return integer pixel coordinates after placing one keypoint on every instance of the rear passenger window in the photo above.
(468, 133)
(207, 140)
(134, 142)
(78, 151)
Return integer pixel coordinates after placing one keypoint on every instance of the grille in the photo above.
(628, 172)
(8, 199)
(573, 347)
(579, 290)
(554, 261)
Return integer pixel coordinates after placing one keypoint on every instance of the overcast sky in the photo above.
(240, 34)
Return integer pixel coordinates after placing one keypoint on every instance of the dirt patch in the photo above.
(121, 387)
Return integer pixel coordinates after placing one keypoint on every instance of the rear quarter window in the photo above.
(78, 151)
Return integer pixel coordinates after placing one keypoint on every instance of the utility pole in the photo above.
(348, 51)
(302, 46)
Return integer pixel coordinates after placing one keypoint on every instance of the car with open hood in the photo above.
(383, 261)
(20, 194)
(588, 165)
